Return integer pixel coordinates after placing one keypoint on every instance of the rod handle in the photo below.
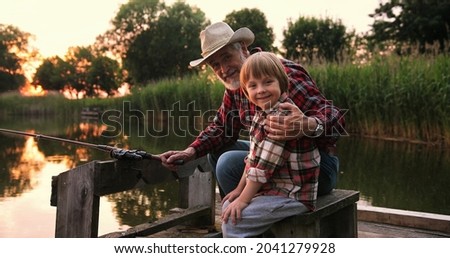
(146, 155)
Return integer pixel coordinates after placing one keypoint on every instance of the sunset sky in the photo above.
(60, 24)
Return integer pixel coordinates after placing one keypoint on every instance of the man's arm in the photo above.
(310, 108)
(225, 127)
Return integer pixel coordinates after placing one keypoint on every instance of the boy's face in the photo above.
(263, 92)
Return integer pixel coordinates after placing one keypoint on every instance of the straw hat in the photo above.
(218, 35)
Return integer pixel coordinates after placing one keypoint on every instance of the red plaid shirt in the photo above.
(236, 112)
(285, 168)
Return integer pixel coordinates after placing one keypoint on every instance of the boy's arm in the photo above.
(250, 190)
(234, 209)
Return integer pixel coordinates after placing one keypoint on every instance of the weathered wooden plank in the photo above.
(78, 206)
(188, 169)
(342, 223)
(184, 173)
(79, 190)
(167, 222)
(329, 204)
(198, 190)
(114, 176)
(206, 184)
(379, 230)
(54, 192)
(335, 216)
(202, 192)
(410, 219)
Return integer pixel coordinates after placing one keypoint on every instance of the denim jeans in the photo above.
(260, 214)
(228, 166)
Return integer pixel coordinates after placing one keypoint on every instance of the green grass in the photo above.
(390, 97)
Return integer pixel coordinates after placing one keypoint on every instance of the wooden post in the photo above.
(76, 193)
(202, 193)
(78, 206)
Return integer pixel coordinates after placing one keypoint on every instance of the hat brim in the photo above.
(241, 35)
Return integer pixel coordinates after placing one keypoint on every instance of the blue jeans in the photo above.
(260, 214)
(228, 166)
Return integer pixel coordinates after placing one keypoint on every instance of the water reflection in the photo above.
(25, 184)
(396, 175)
(28, 214)
(23, 169)
(24, 188)
(388, 174)
(145, 205)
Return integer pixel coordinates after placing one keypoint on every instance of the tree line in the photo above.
(149, 41)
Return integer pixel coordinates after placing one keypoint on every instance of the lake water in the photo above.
(388, 174)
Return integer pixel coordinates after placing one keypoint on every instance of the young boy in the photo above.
(280, 177)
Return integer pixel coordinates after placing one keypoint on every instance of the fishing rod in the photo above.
(114, 152)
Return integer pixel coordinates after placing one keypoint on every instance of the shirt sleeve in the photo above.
(306, 95)
(224, 129)
(264, 160)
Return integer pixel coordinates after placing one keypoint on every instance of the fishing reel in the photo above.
(122, 154)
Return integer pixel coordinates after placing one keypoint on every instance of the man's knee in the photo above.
(213, 157)
(329, 166)
(212, 160)
(231, 163)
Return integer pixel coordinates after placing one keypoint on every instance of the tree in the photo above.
(79, 60)
(103, 74)
(82, 71)
(308, 39)
(256, 21)
(165, 49)
(131, 20)
(14, 53)
(52, 74)
(411, 22)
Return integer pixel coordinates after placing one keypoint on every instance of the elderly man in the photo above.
(225, 50)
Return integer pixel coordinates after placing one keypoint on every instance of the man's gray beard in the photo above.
(232, 86)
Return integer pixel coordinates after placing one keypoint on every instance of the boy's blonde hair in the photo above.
(262, 64)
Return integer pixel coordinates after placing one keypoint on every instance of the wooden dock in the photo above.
(76, 195)
(92, 113)
(373, 222)
(383, 222)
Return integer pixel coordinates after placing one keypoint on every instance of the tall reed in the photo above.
(406, 98)
(393, 97)
(196, 93)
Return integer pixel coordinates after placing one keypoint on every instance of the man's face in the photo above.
(226, 64)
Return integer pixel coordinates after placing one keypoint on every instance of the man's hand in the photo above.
(168, 158)
(294, 125)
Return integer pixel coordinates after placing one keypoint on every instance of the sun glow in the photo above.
(32, 161)
(33, 90)
(37, 90)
